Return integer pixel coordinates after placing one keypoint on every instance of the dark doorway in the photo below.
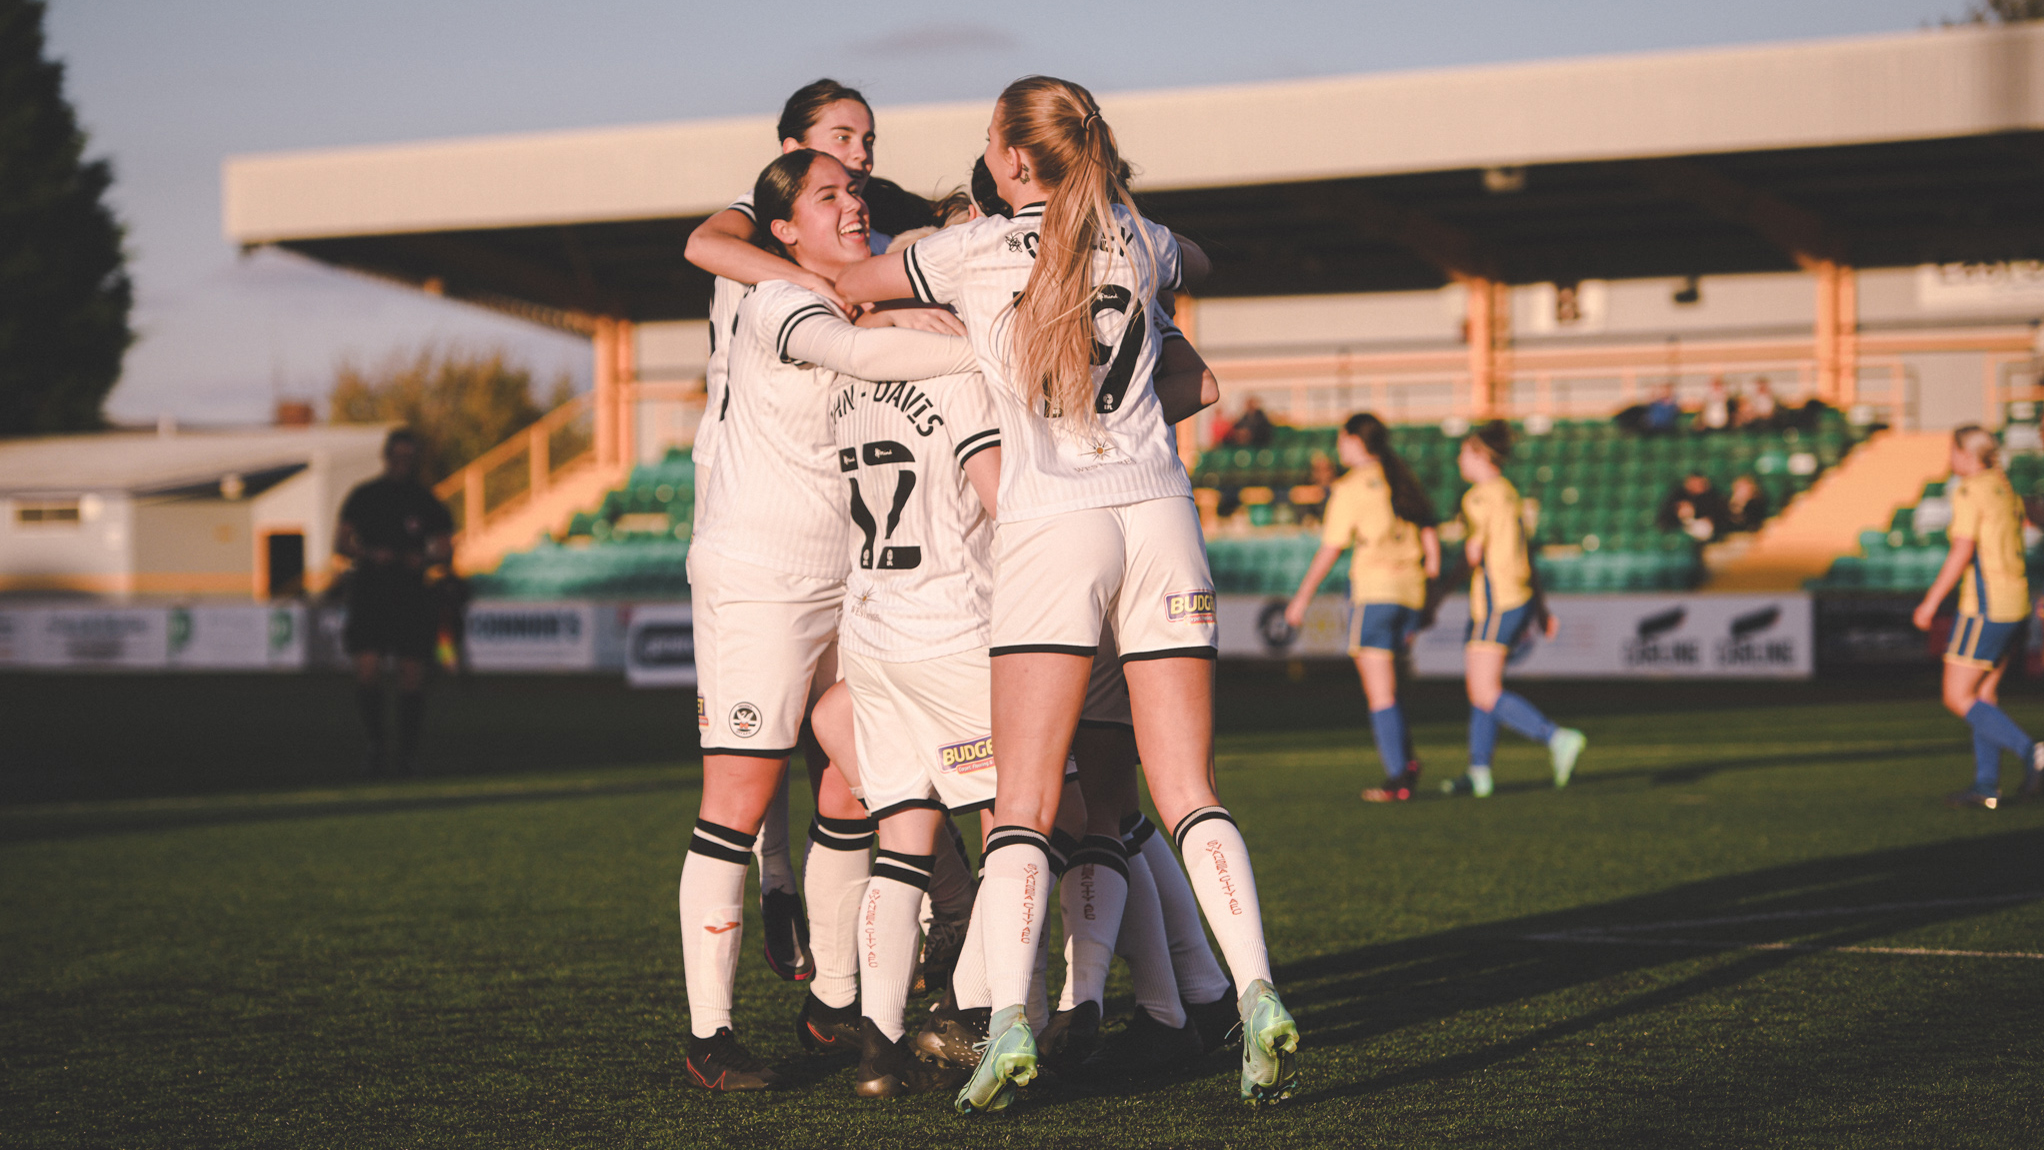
(284, 560)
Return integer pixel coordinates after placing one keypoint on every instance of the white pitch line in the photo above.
(1819, 912)
(1793, 946)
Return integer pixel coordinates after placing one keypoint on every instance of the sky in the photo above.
(167, 89)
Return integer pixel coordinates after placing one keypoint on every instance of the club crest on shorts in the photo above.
(966, 757)
(1189, 606)
(702, 713)
(745, 720)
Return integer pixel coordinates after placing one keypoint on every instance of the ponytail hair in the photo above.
(1072, 156)
(1408, 498)
(774, 194)
(1976, 441)
(1494, 439)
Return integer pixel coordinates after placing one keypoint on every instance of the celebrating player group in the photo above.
(946, 548)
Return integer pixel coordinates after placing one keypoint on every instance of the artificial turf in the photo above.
(213, 935)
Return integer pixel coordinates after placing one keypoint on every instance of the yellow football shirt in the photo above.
(1388, 565)
(1995, 585)
(1490, 511)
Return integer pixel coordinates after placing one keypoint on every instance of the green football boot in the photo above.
(1270, 1047)
(1007, 1060)
(1566, 745)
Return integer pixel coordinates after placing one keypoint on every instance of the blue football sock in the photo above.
(1389, 727)
(1993, 733)
(1483, 735)
(1523, 717)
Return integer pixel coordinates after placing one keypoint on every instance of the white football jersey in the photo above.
(725, 296)
(774, 497)
(921, 578)
(1049, 466)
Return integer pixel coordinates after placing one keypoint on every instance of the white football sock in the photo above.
(1199, 974)
(1016, 889)
(712, 922)
(1147, 948)
(776, 866)
(887, 932)
(1093, 892)
(1217, 865)
(969, 982)
(834, 878)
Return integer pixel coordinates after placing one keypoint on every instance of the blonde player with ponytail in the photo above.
(1096, 529)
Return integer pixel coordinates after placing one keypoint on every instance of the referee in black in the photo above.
(392, 530)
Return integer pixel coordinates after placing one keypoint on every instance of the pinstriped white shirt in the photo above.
(1048, 467)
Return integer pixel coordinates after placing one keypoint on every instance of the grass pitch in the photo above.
(213, 936)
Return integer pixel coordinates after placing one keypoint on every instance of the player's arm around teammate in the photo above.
(1501, 606)
(1986, 566)
(768, 564)
(1380, 510)
(1097, 521)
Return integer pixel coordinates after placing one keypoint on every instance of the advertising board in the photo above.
(660, 646)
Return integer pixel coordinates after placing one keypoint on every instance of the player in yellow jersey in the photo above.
(1986, 565)
(1502, 603)
(1379, 509)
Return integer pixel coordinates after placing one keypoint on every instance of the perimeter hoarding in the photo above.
(660, 646)
(1601, 636)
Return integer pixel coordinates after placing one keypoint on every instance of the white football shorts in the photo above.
(924, 732)
(766, 648)
(1140, 569)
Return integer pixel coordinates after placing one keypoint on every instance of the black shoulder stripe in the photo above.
(917, 281)
(972, 443)
(788, 326)
(747, 210)
(982, 445)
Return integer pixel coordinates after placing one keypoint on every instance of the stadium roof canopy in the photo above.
(1882, 151)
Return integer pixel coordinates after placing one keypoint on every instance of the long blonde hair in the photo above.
(1073, 158)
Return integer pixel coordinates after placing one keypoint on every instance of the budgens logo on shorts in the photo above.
(1189, 606)
(967, 757)
(702, 714)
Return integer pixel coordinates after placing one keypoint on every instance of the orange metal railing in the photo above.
(505, 477)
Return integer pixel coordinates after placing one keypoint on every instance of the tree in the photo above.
(2004, 12)
(64, 290)
(460, 403)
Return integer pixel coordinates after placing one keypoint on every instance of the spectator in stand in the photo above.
(1696, 508)
(1758, 408)
(392, 529)
(1746, 509)
(1716, 412)
(1252, 427)
(1662, 415)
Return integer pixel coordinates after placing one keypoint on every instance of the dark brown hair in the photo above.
(1408, 498)
(806, 106)
(775, 192)
(1493, 439)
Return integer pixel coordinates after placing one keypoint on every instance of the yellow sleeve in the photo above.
(1339, 527)
(1965, 513)
(1473, 516)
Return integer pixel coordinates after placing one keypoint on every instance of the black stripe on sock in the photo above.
(1099, 850)
(911, 870)
(720, 842)
(1137, 832)
(841, 834)
(1013, 836)
(1197, 817)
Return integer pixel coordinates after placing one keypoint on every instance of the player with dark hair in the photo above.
(392, 529)
(1986, 567)
(1503, 601)
(1379, 509)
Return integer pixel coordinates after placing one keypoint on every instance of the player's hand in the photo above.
(828, 290)
(1295, 613)
(1924, 613)
(936, 320)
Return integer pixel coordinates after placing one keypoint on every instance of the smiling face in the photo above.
(827, 230)
(844, 131)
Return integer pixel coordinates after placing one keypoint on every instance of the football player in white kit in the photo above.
(1097, 527)
(768, 565)
(831, 118)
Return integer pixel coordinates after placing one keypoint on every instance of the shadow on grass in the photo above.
(1357, 995)
(1676, 774)
(84, 822)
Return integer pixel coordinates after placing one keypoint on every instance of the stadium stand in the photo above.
(1597, 489)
